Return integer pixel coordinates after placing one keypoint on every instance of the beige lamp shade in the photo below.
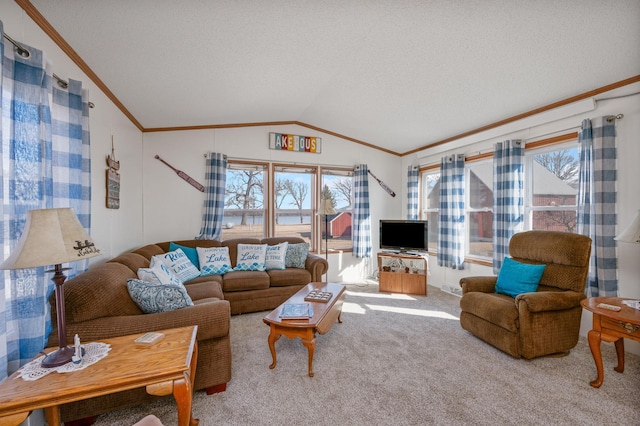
(326, 207)
(51, 237)
(631, 234)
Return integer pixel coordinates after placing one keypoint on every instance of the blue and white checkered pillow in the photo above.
(251, 257)
(178, 262)
(214, 260)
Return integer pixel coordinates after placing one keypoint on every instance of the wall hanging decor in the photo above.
(113, 180)
(197, 185)
(286, 142)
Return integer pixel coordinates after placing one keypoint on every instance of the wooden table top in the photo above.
(627, 313)
(127, 366)
(320, 309)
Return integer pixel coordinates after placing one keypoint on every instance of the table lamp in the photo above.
(631, 234)
(326, 208)
(53, 237)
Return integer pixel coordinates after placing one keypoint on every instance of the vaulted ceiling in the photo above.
(396, 74)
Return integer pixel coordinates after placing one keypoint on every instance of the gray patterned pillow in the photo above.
(152, 298)
(296, 255)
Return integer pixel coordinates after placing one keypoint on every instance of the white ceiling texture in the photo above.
(398, 74)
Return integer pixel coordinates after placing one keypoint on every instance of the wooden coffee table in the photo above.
(167, 367)
(325, 314)
(610, 326)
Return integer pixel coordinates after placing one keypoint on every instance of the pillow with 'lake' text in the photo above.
(276, 256)
(251, 257)
(214, 260)
(296, 255)
(178, 262)
(515, 277)
(152, 298)
(158, 273)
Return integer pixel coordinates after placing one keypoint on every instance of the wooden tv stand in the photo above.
(402, 273)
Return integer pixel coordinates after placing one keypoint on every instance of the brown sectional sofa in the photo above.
(98, 306)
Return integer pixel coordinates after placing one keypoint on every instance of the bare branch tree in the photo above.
(244, 190)
(298, 191)
(281, 190)
(562, 164)
(344, 189)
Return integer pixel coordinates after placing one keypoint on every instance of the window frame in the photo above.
(334, 171)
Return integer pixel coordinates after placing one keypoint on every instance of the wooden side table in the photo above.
(167, 367)
(611, 326)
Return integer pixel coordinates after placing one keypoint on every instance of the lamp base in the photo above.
(59, 357)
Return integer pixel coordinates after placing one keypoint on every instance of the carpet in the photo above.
(403, 360)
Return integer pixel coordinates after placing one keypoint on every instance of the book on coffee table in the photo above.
(318, 296)
(296, 311)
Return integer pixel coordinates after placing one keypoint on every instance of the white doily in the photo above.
(93, 352)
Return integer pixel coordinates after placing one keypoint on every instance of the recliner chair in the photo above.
(534, 324)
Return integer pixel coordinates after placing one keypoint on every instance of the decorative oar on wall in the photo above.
(197, 185)
(383, 185)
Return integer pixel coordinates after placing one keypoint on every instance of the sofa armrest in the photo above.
(212, 318)
(482, 284)
(317, 266)
(541, 301)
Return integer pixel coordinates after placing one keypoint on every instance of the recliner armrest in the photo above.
(481, 284)
(541, 301)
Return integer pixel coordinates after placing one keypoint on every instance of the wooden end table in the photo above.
(611, 326)
(325, 315)
(167, 367)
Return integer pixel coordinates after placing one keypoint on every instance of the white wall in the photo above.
(173, 209)
(114, 231)
(556, 122)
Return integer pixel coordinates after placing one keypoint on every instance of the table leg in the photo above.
(182, 393)
(594, 338)
(620, 352)
(273, 338)
(311, 346)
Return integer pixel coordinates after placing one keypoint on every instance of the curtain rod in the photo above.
(18, 47)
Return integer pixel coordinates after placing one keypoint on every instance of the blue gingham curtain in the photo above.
(45, 163)
(215, 184)
(508, 196)
(412, 192)
(597, 202)
(361, 215)
(451, 236)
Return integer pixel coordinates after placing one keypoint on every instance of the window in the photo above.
(430, 184)
(335, 229)
(479, 208)
(294, 207)
(552, 177)
(244, 204)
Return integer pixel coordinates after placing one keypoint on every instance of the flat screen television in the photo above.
(404, 235)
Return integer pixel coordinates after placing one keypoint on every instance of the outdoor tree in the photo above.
(281, 190)
(565, 166)
(298, 191)
(244, 190)
(344, 189)
(327, 194)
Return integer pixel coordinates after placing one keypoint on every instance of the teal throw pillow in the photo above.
(516, 277)
(251, 257)
(153, 298)
(191, 253)
(158, 273)
(276, 255)
(214, 260)
(179, 264)
(296, 255)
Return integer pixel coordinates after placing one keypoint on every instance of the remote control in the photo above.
(609, 307)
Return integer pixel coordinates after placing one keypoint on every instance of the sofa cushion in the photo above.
(245, 280)
(296, 255)
(179, 264)
(498, 309)
(516, 277)
(150, 250)
(251, 257)
(275, 257)
(204, 290)
(289, 276)
(158, 273)
(214, 260)
(153, 298)
(99, 292)
(133, 261)
(191, 253)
